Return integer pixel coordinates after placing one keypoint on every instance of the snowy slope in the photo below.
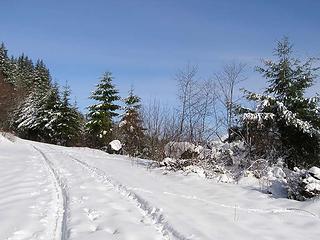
(52, 192)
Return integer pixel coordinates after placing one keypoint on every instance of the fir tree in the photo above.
(49, 115)
(42, 77)
(25, 74)
(100, 114)
(6, 65)
(131, 125)
(285, 111)
(69, 120)
(36, 115)
(25, 119)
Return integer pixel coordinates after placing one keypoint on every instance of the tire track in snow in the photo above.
(60, 228)
(153, 213)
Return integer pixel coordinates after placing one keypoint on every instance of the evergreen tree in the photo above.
(285, 111)
(26, 121)
(37, 113)
(49, 115)
(41, 113)
(6, 65)
(131, 125)
(25, 73)
(69, 120)
(41, 77)
(99, 125)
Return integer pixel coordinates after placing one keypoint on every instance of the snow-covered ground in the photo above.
(51, 192)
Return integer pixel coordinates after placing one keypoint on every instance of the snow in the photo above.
(315, 172)
(225, 178)
(176, 149)
(115, 145)
(195, 169)
(312, 184)
(167, 161)
(122, 123)
(54, 192)
(289, 117)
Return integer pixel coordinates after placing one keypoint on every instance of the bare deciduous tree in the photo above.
(187, 88)
(161, 126)
(197, 105)
(228, 79)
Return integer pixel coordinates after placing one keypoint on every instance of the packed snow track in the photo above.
(58, 193)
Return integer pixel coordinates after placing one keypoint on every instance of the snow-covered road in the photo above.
(52, 192)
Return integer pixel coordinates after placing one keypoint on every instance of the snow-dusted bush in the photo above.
(303, 184)
(233, 162)
(182, 150)
(276, 182)
(228, 153)
(177, 164)
(115, 147)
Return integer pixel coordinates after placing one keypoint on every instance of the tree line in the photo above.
(36, 108)
(283, 122)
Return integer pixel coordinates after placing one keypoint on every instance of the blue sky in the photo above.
(144, 43)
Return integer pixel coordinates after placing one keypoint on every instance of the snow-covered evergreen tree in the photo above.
(41, 113)
(284, 111)
(6, 65)
(36, 115)
(50, 114)
(42, 77)
(68, 121)
(131, 125)
(24, 74)
(26, 118)
(99, 125)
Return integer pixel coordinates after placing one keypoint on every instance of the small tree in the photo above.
(131, 125)
(99, 125)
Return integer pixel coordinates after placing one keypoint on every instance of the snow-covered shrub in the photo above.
(228, 153)
(9, 136)
(182, 150)
(167, 162)
(247, 178)
(303, 184)
(276, 181)
(195, 169)
(176, 164)
(115, 147)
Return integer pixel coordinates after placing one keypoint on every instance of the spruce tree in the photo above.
(69, 120)
(49, 115)
(41, 76)
(131, 125)
(285, 111)
(26, 121)
(25, 74)
(36, 115)
(7, 67)
(99, 125)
